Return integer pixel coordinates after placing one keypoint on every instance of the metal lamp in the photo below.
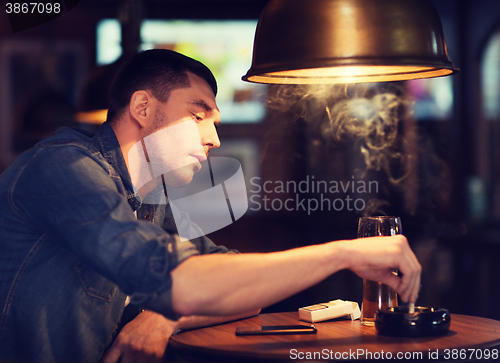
(348, 41)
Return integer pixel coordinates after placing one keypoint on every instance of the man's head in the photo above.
(162, 105)
(158, 70)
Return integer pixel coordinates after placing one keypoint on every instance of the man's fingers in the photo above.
(393, 281)
(410, 280)
(416, 286)
(407, 284)
(415, 279)
(414, 296)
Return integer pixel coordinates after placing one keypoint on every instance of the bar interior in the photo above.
(315, 157)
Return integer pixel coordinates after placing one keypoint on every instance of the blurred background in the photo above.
(310, 172)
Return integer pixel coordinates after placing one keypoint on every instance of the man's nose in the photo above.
(210, 137)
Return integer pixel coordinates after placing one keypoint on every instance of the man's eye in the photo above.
(198, 118)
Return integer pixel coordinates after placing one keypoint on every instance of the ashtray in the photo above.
(425, 321)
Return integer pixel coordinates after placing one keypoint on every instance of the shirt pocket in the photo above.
(95, 284)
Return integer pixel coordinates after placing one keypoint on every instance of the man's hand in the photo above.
(374, 258)
(144, 339)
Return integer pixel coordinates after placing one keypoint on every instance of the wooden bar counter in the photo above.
(469, 339)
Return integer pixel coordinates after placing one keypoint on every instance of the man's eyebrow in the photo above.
(202, 104)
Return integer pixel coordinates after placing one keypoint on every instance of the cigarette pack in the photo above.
(330, 310)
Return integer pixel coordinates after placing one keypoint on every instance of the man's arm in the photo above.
(232, 284)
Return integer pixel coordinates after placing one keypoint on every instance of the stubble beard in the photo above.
(179, 177)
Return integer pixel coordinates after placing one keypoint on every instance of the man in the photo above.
(75, 242)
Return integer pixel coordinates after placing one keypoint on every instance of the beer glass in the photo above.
(376, 295)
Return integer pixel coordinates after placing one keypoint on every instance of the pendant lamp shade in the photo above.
(348, 41)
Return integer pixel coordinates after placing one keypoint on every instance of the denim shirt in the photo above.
(72, 249)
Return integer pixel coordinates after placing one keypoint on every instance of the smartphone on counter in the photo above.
(275, 329)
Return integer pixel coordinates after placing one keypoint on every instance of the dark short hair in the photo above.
(159, 70)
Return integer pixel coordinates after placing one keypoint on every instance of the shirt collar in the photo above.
(110, 148)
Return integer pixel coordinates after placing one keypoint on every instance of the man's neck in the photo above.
(127, 134)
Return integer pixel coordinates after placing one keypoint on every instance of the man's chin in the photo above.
(178, 179)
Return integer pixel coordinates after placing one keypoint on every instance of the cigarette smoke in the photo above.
(373, 126)
(374, 121)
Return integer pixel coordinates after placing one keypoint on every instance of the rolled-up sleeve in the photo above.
(161, 300)
(76, 198)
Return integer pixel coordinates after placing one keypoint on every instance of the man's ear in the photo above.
(140, 107)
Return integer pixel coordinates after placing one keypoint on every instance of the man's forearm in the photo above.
(231, 284)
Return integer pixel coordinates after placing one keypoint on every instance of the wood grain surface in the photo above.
(336, 340)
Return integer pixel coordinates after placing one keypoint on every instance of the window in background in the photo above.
(490, 78)
(224, 46)
(489, 126)
(108, 41)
